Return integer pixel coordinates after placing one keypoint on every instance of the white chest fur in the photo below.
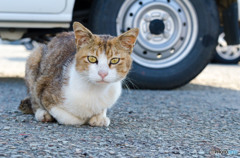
(84, 99)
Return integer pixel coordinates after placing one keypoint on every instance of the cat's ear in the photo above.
(128, 39)
(82, 35)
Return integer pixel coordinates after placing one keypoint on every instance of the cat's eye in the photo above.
(114, 60)
(92, 59)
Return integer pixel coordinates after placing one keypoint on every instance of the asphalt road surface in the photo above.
(201, 119)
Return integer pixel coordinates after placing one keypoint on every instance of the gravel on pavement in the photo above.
(192, 121)
(201, 119)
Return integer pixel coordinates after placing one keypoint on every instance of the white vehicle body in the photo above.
(238, 10)
(35, 13)
(46, 13)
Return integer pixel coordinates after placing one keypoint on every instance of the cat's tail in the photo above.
(26, 106)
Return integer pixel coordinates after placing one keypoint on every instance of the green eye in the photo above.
(92, 59)
(114, 60)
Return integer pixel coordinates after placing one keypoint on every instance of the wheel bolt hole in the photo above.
(144, 52)
(140, 3)
(131, 14)
(182, 38)
(172, 50)
(184, 24)
(179, 10)
(168, 1)
(128, 28)
(159, 55)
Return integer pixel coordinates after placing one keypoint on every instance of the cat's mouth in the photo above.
(102, 82)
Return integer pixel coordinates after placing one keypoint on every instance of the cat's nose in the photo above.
(102, 73)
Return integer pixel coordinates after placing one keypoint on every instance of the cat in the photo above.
(77, 76)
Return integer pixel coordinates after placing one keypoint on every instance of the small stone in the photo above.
(16, 156)
(201, 152)
(48, 151)
(111, 152)
(130, 112)
(161, 151)
(12, 147)
(102, 143)
(175, 152)
(194, 151)
(6, 128)
(33, 144)
(34, 148)
(78, 150)
(85, 154)
(22, 151)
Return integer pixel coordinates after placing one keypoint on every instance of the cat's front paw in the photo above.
(99, 121)
(43, 116)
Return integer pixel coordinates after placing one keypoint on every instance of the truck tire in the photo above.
(226, 54)
(175, 42)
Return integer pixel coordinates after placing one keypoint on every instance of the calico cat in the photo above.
(77, 76)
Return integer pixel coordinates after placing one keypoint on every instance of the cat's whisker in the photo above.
(129, 81)
(125, 85)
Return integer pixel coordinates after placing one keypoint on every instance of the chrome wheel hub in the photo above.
(168, 30)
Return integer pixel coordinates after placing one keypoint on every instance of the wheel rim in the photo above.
(225, 51)
(168, 30)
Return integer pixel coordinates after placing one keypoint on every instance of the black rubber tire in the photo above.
(103, 21)
(218, 59)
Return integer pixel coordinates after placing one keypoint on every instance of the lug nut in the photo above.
(159, 56)
(172, 50)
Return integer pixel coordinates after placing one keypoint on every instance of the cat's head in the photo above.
(101, 58)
